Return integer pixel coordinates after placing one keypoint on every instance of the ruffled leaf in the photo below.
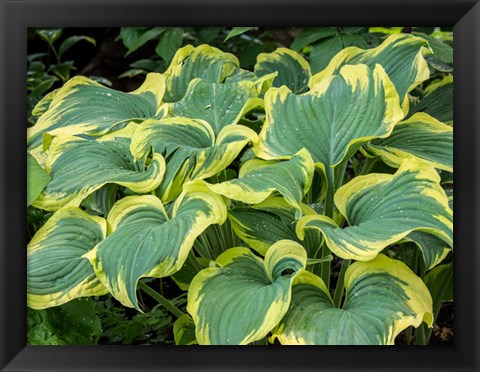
(383, 297)
(204, 62)
(382, 209)
(56, 265)
(401, 55)
(191, 149)
(293, 70)
(421, 136)
(78, 167)
(145, 242)
(217, 104)
(332, 121)
(83, 106)
(242, 297)
(258, 179)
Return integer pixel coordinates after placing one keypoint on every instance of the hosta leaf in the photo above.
(382, 209)
(433, 249)
(78, 167)
(383, 298)
(204, 62)
(184, 331)
(243, 297)
(333, 120)
(218, 104)
(421, 136)
(258, 179)
(85, 106)
(190, 148)
(57, 269)
(401, 55)
(44, 103)
(293, 70)
(438, 101)
(37, 179)
(264, 224)
(102, 200)
(145, 242)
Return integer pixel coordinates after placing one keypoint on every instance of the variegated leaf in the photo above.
(421, 136)
(56, 265)
(191, 149)
(242, 297)
(204, 62)
(382, 209)
(258, 179)
(383, 297)
(146, 242)
(78, 167)
(401, 55)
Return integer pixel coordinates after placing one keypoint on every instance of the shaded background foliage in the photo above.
(120, 58)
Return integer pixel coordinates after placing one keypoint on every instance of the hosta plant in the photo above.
(287, 204)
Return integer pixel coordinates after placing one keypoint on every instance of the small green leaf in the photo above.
(169, 42)
(71, 41)
(438, 101)
(134, 37)
(74, 323)
(37, 179)
(207, 34)
(62, 70)
(310, 35)
(237, 31)
(50, 35)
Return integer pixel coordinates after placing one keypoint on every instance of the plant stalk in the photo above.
(337, 297)
(162, 300)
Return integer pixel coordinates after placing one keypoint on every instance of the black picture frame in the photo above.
(17, 15)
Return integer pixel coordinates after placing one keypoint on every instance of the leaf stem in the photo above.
(193, 261)
(337, 297)
(162, 300)
(325, 267)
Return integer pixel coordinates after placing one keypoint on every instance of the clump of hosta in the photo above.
(240, 186)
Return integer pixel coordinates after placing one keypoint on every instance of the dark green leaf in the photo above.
(62, 70)
(134, 37)
(237, 31)
(74, 323)
(169, 42)
(323, 52)
(310, 35)
(72, 40)
(50, 35)
(207, 34)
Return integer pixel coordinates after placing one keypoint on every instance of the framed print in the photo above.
(207, 173)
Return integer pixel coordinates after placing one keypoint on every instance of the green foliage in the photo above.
(74, 323)
(300, 196)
